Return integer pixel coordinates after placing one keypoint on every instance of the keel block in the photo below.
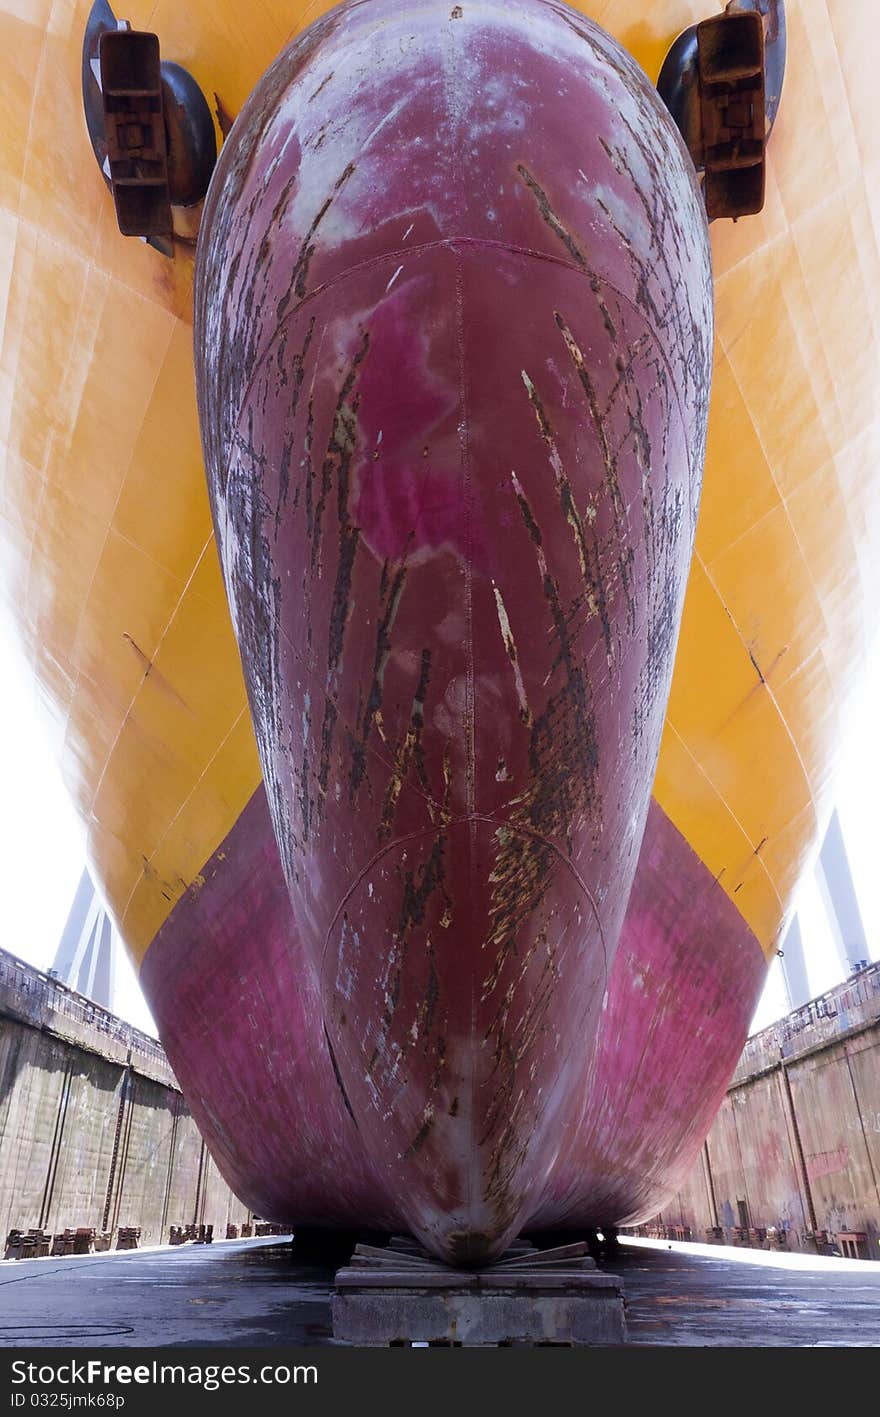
(399, 1296)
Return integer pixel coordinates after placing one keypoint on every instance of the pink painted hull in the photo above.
(453, 352)
(232, 990)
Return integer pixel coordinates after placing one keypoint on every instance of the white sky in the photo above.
(41, 838)
(42, 855)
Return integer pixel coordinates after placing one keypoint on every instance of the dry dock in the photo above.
(259, 1293)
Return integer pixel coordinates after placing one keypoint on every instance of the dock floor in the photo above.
(259, 1293)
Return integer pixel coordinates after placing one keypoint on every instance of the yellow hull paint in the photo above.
(107, 558)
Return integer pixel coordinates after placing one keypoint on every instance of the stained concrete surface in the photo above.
(675, 1298)
(230, 1293)
(260, 1293)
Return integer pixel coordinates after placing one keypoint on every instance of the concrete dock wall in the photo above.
(93, 1128)
(796, 1144)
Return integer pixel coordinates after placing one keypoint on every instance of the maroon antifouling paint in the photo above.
(453, 335)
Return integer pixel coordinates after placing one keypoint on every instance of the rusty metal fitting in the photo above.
(722, 82)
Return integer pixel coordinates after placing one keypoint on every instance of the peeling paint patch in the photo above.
(510, 647)
(300, 272)
(390, 591)
(421, 1136)
(549, 216)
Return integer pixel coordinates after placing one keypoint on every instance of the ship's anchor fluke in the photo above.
(150, 127)
(722, 82)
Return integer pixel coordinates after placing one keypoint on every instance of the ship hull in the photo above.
(229, 964)
(454, 417)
